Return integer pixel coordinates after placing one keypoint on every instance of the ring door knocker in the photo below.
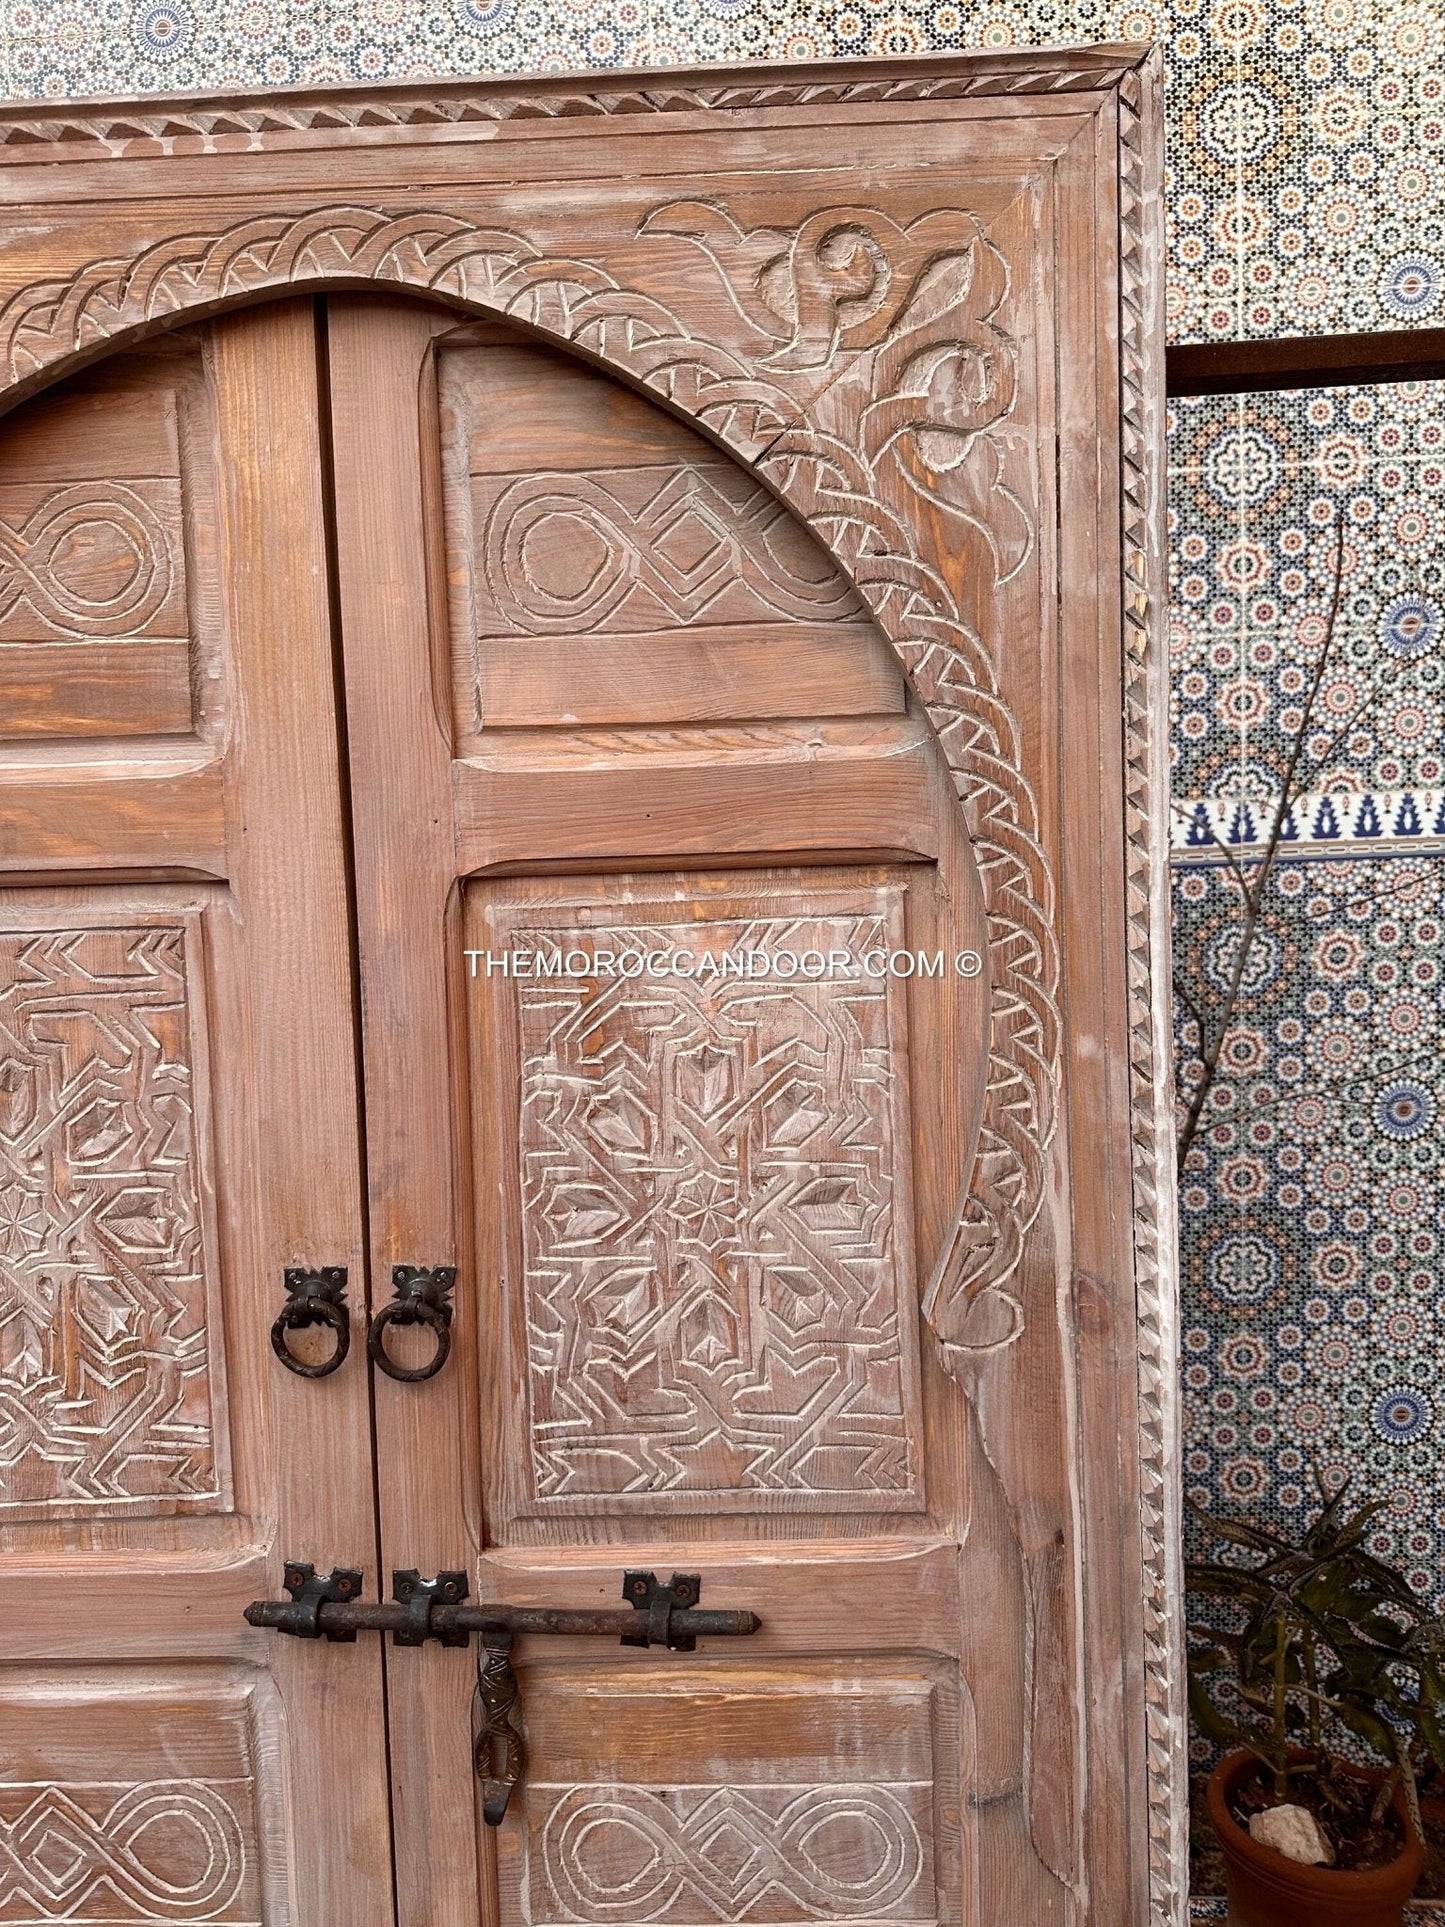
(420, 1295)
(330, 1606)
(313, 1298)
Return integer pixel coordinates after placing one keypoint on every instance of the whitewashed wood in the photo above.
(138, 1799)
(650, 1816)
(847, 1468)
(178, 1123)
(715, 1308)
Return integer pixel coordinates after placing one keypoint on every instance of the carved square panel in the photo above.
(108, 1334)
(708, 1798)
(713, 1172)
(99, 504)
(610, 567)
(134, 1802)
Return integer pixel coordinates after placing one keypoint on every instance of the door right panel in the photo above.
(695, 1207)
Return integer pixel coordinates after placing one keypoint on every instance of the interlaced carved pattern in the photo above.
(825, 435)
(105, 1352)
(32, 567)
(704, 539)
(783, 1853)
(164, 1850)
(718, 1271)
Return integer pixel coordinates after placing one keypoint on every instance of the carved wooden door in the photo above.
(676, 1022)
(613, 748)
(178, 1124)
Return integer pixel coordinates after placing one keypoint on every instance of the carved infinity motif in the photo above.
(33, 567)
(849, 1851)
(583, 517)
(58, 1853)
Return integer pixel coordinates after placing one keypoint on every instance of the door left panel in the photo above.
(178, 1125)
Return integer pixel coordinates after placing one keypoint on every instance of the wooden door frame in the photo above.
(126, 219)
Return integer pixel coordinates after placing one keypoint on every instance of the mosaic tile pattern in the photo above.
(1265, 490)
(1313, 1205)
(1307, 192)
(1313, 1211)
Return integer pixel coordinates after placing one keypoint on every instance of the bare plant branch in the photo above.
(1213, 1040)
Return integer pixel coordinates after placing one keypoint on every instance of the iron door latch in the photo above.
(331, 1607)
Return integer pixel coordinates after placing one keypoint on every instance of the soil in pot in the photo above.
(1267, 1890)
(1344, 1812)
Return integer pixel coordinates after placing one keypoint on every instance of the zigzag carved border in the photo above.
(221, 124)
(1148, 921)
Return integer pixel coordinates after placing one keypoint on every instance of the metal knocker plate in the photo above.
(420, 1295)
(313, 1298)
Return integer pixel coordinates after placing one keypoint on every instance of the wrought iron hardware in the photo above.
(646, 1594)
(313, 1298)
(420, 1295)
(422, 1609)
(442, 1617)
(310, 1591)
(497, 1751)
(419, 1595)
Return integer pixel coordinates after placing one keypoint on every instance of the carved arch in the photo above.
(917, 377)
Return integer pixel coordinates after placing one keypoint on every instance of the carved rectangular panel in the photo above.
(615, 569)
(743, 1798)
(108, 1334)
(717, 1272)
(133, 1802)
(97, 510)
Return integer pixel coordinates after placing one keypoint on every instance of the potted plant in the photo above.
(1326, 1641)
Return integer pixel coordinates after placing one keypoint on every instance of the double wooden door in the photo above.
(455, 816)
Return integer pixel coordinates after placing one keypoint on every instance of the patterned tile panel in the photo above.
(1305, 135)
(1314, 1206)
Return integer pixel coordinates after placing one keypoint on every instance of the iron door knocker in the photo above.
(313, 1298)
(421, 1295)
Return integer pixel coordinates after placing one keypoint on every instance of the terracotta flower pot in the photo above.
(1267, 1890)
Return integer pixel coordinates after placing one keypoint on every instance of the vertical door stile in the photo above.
(287, 853)
(178, 1131)
(402, 812)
